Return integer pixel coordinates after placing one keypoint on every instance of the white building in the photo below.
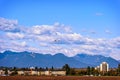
(58, 73)
(55, 73)
(42, 73)
(97, 68)
(104, 67)
(2, 72)
(20, 72)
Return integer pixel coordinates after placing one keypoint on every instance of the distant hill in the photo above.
(119, 61)
(28, 59)
(96, 59)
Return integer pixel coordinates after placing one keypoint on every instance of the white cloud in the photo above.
(15, 35)
(19, 44)
(45, 38)
(8, 25)
(43, 29)
(115, 53)
(57, 38)
(50, 29)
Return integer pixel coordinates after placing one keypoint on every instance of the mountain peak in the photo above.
(82, 55)
(96, 59)
(59, 54)
(7, 51)
(26, 59)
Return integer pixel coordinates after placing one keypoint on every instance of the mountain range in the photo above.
(119, 60)
(28, 59)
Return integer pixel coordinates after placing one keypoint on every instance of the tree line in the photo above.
(89, 71)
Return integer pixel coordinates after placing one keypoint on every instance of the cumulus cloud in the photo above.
(56, 38)
(8, 25)
(67, 38)
(14, 35)
(20, 44)
(49, 29)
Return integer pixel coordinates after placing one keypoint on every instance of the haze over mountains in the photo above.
(28, 59)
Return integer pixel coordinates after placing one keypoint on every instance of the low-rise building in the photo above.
(97, 68)
(2, 72)
(58, 73)
(43, 73)
(21, 73)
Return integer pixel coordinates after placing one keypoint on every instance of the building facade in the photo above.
(42, 73)
(97, 68)
(104, 67)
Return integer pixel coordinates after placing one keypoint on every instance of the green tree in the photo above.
(6, 71)
(88, 70)
(82, 72)
(92, 71)
(46, 68)
(112, 73)
(72, 72)
(36, 68)
(118, 70)
(66, 67)
(40, 68)
(52, 68)
(15, 72)
(96, 72)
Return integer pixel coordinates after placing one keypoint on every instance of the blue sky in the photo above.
(88, 20)
(89, 15)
